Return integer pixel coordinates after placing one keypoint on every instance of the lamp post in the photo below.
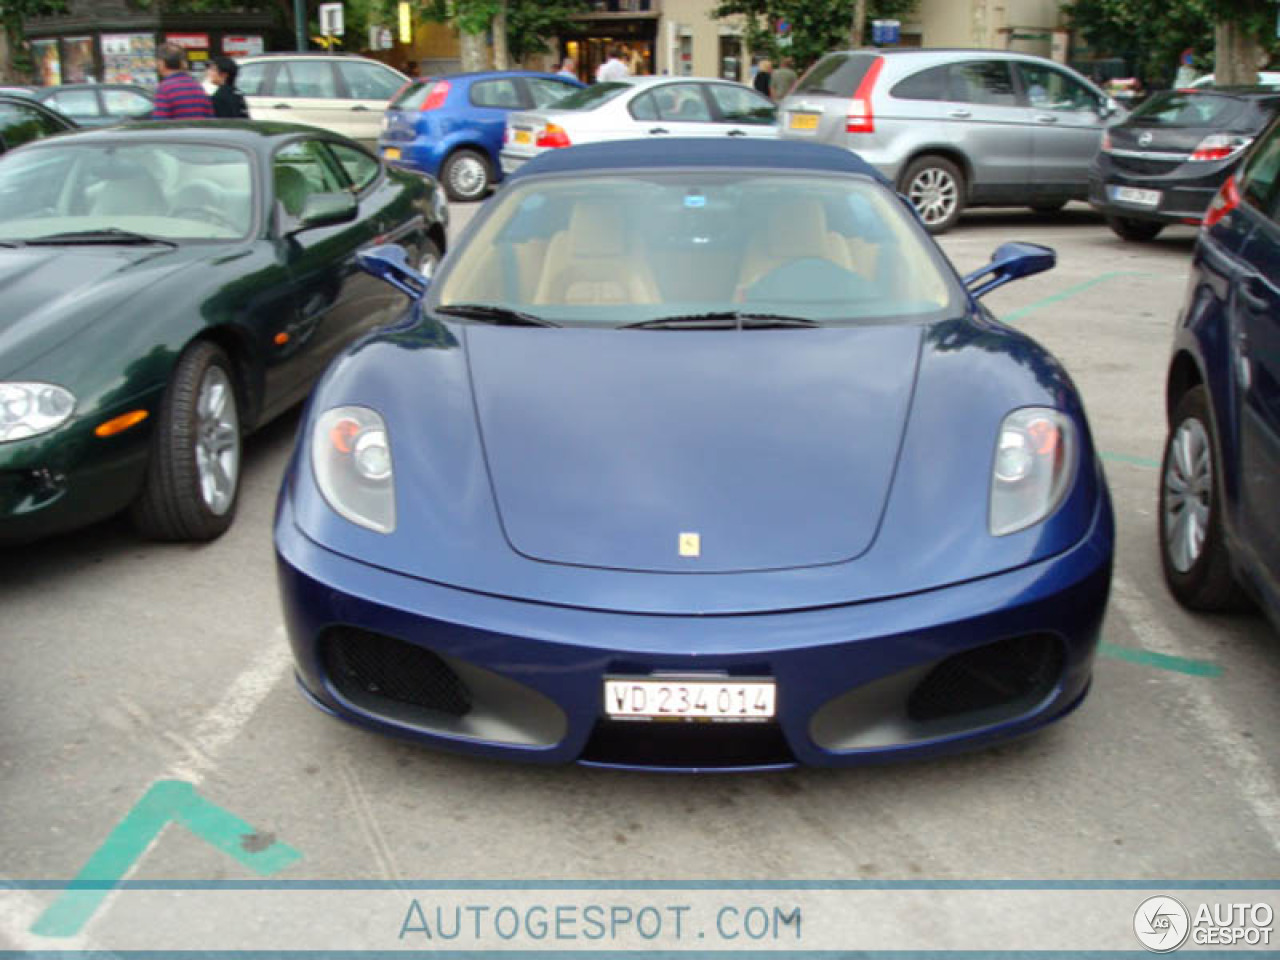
(300, 24)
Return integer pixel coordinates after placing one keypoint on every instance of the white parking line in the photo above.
(216, 730)
(1255, 779)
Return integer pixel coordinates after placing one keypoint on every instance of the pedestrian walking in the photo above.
(764, 76)
(228, 102)
(613, 68)
(783, 79)
(178, 96)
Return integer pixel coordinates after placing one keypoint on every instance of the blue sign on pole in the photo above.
(886, 32)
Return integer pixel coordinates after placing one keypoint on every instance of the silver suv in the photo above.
(956, 128)
(338, 92)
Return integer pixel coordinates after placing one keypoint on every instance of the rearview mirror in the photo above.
(327, 209)
(390, 262)
(1010, 262)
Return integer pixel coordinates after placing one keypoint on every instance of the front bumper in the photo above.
(71, 478)
(531, 676)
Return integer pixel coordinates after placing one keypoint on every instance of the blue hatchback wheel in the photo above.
(465, 175)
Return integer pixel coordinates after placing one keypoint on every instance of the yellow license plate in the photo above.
(524, 136)
(804, 121)
(391, 153)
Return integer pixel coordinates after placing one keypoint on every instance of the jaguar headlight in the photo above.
(351, 459)
(1034, 461)
(30, 409)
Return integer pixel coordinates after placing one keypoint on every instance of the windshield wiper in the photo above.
(502, 316)
(722, 320)
(111, 235)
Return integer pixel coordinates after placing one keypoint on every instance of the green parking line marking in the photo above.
(1134, 461)
(166, 801)
(1016, 315)
(1162, 661)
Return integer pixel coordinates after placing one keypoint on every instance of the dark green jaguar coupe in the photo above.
(165, 289)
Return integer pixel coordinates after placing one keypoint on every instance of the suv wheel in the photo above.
(465, 175)
(936, 188)
(1136, 231)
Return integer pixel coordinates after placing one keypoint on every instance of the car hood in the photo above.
(48, 293)
(561, 466)
(775, 448)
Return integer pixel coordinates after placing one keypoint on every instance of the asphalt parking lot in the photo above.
(125, 663)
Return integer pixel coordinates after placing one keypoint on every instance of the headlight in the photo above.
(30, 409)
(351, 459)
(1035, 458)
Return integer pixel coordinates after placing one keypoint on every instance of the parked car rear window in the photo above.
(495, 93)
(588, 98)
(837, 74)
(985, 82)
(928, 84)
(1177, 109)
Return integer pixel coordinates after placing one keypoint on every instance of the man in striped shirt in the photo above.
(178, 96)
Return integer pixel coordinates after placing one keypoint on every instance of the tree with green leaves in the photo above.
(1231, 37)
(816, 26)
(15, 62)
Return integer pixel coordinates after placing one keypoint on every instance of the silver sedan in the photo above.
(639, 108)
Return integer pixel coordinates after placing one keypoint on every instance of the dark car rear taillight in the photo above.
(861, 118)
(1106, 142)
(1219, 146)
(1228, 199)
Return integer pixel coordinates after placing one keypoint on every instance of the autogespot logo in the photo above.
(1161, 924)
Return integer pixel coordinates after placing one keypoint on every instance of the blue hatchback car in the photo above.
(1220, 489)
(451, 127)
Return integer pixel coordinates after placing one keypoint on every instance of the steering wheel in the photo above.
(208, 214)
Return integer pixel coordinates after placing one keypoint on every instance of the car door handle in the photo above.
(659, 130)
(361, 107)
(1046, 118)
(736, 133)
(960, 114)
(283, 106)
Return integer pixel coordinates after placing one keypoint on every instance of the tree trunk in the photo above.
(859, 23)
(501, 59)
(474, 52)
(8, 74)
(1236, 55)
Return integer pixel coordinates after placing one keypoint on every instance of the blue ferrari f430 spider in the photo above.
(696, 456)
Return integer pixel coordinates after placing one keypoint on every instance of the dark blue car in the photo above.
(451, 127)
(696, 455)
(1220, 492)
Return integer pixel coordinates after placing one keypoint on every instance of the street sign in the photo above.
(886, 32)
(331, 24)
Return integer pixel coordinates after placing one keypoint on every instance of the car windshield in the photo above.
(169, 191)
(588, 98)
(1181, 109)
(699, 246)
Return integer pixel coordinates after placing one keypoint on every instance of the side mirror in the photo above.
(1110, 108)
(326, 210)
(390, 262)
(1010, 262)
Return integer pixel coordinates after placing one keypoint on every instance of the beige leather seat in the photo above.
(596, 260)
(791, 230)
(135, 193)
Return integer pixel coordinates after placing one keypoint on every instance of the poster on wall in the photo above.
(242, 46)
(129, 58)
(48, 66)
(196, 46)
(77, 60)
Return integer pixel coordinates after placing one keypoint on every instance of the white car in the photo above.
(338, 92)
(640, 108)
(1266, 78)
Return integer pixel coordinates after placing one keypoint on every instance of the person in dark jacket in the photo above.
(228, 102)
(763, 78)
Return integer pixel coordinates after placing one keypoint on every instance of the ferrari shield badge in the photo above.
(690, 545)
